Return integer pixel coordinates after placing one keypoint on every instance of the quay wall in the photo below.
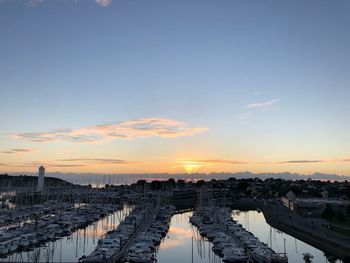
(337, 247)
(328, 240)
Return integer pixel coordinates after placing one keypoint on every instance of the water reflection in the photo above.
(277, 240)
(184, 244)
(71, 248)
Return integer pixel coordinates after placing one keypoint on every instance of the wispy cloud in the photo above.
(33, 3)
(339, 160)
(14, 151)
(263, 104)
(74, 163)
(104, 3)
(224, 161)
(302, 161)
(243, 116)
(98, 161)
(147, 127)
(37, 164)
(210, 161)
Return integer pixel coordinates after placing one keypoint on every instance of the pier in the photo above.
(136, 238)
(148, 219)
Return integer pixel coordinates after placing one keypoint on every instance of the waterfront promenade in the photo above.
(314, 231)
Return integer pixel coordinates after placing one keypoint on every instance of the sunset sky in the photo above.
(133, 86)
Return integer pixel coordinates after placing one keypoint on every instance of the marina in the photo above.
(147, 241)
(143, 223)
(46, 225)
(231, 241)
(136, 238)
(255, 222)
(183, 241)
(70, 248)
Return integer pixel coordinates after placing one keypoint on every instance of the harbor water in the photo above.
(177, 247)
(183, 243)
(254, 222)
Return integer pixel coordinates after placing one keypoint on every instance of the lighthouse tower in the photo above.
(41, 175)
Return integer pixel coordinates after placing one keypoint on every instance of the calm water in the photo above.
(71, 248)
(177, 246)
(255, 223)
(182, 243)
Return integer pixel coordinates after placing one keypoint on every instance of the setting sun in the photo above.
(189, 168)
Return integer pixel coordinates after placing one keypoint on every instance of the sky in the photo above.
(147, 86)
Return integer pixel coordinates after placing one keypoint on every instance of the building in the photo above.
(289, 199)
(313, 206)
(41, 176)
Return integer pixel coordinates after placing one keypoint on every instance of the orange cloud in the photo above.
(209, 162)
(222, 161)
(77, 162)
(146, 127)
(98, 161)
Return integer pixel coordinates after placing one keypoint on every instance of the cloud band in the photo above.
(146, 127)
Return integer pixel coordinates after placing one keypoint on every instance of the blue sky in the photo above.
(69, 65)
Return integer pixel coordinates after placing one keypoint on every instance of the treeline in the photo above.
(27, 181)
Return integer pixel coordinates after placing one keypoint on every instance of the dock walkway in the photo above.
(149, 218)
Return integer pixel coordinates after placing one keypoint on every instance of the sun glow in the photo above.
(190, 168)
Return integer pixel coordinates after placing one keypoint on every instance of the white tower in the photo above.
(41, 175)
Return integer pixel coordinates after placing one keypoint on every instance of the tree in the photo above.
(330, 258)
(171, 183)
(243, 185)
(307, 257)
(200, 183)
(156, 185)
(181, 183)
(141, 182)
